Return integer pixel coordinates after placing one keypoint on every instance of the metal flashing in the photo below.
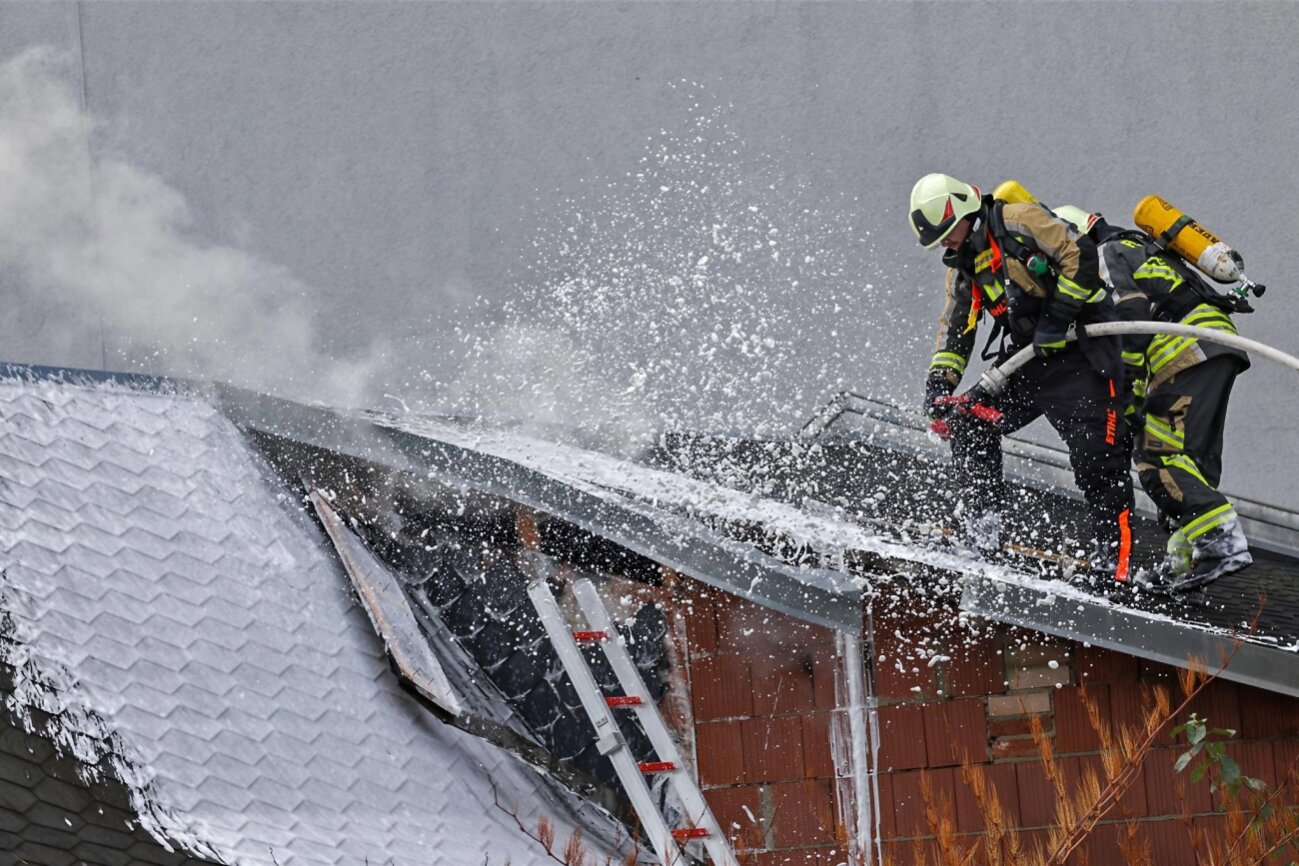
(1137, 633)
(80, 376)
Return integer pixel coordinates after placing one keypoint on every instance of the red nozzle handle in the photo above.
(987, 414)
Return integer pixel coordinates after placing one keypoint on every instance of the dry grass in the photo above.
(1258, 827)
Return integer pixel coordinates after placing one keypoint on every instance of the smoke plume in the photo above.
(109, 247)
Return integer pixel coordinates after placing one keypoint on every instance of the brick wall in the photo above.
(762, 691)
(947, 696)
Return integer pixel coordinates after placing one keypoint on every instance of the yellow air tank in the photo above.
(1012, 192)
(1188, 239)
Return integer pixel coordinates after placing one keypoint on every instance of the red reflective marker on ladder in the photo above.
(690, 833)
(624, 701)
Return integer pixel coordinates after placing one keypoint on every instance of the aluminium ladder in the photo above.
(610, 741)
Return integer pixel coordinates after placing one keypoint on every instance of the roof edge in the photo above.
(1130, 632)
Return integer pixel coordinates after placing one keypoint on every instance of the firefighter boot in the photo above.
(1221, 551)
(1177, 561)
(1193, 564)
(981, 530)
(1100, 577)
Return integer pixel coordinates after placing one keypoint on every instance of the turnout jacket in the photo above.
(1035, 275)
(1151, 284)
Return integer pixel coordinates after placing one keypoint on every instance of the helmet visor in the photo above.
(931, 233)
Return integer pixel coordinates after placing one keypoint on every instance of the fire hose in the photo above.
(994, 380)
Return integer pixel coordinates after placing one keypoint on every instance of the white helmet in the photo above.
(1077, 217)
(938, 203)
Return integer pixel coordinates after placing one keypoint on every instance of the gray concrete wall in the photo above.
(383, 165)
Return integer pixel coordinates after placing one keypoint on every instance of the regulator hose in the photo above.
(993, 381)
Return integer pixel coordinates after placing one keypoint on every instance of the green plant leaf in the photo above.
(1182, 761)
(1256, 784)
(1195, 730)
(1198, 773)
(1230, 770)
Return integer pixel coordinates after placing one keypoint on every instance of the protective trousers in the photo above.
(1179, 451)
(1086, 410)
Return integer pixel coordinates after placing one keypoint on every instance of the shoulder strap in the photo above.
(1013, 246)
(1133, 235)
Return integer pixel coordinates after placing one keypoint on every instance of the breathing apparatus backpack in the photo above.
(1188, 244)
(1175, 231)
(1173, 307)
(1185, 244)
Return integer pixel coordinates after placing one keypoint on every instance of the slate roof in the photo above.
(169, 605)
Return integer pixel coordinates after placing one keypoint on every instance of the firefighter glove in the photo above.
(938, 386)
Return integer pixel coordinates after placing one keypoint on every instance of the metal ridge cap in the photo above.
(85, 376)
(1125, 630)
(817, 595)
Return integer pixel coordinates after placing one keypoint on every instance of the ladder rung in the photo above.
(590, 636)
(656, 766)
(690, 833)
(624, 701)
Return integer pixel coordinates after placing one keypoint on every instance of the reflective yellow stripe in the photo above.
(1163, 432)
(1072, 289)
(1134, 359)
(1164, 348)
(1211, 520)
(1206, 316)
(949, 359)
(1187, 465)
(1153, 269)
(1167, 349)
(994, 291)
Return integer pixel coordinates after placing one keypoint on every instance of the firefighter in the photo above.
(1180, 390)
(1035, 276)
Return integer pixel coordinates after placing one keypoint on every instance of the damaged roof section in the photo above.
(867, 503)
(815, 594)
(449, 568)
